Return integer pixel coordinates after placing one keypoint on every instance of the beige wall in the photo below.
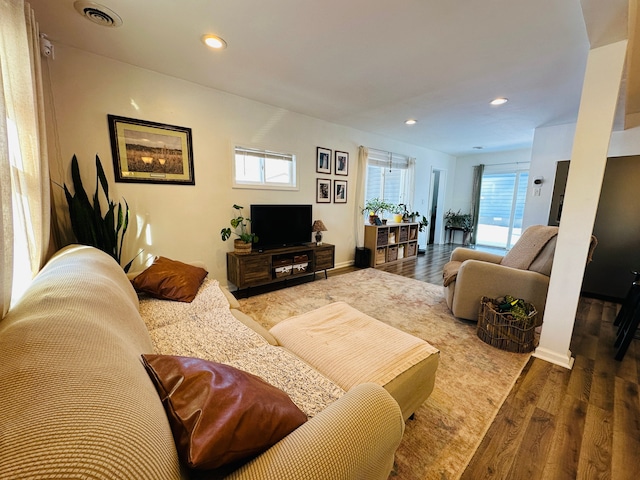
(183, 222)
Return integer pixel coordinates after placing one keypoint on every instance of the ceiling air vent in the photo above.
(98, 13)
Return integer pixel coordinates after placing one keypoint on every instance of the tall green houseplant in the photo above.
(89, 225)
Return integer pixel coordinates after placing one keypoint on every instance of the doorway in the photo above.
(436, 201)
(502, 198)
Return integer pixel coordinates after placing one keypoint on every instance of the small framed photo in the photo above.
(150, 152)
(339, 191)
(323, 160)
(342, 163)
(323, 190)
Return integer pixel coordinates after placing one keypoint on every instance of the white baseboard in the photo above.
(550, 356)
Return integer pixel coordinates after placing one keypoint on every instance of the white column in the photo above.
(588, 160)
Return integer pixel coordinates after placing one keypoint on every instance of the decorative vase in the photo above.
(397, 218)
(372, 219)
(240, 247)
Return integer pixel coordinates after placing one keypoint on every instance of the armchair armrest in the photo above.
(354, 437)
(461, 254)
(477, 279)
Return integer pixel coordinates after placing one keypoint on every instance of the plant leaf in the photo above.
(102, 177)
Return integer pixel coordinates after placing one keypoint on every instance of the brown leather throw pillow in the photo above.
(170, 280)
(218, 414)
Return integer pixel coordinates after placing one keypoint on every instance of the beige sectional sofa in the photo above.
(78, 403)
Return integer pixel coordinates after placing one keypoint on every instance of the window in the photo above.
(502, 198)
(389, 176)
(254, 168)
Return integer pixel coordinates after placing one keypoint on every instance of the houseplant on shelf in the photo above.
(398, 212)
(411, 217)
(242, 244)
(376, 206)
(458, 220)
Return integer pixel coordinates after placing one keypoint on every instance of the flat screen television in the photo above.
(281, 225)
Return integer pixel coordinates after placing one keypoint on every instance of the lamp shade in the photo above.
(318, 226)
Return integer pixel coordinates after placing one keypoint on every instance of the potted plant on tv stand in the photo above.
(242, 244)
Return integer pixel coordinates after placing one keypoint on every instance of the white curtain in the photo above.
(24, 174)
(363, 154)
(478, 170)
(410, 183)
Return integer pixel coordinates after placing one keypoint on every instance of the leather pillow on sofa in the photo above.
(170, 280)
(218, 414)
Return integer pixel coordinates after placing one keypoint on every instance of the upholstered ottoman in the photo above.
(350, 348)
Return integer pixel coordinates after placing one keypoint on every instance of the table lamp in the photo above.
(318, 227)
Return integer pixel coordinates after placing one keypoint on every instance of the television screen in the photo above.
(281, 225)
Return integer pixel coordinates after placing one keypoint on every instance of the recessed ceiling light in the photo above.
(214, 41)
(411, 121)
(499, 101)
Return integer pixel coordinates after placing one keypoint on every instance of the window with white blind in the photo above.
(389, 177)
(255, 168)
(502, 198)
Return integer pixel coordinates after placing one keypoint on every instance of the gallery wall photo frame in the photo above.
(323, 190)
(323, 160)
(339, 191)
(341, 163)
(150, 152)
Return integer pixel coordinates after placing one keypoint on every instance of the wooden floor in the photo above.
(556, 423)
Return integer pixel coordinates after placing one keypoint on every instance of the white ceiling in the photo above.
(369, 64)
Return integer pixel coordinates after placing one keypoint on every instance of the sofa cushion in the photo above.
(170, 280)
(219, 414)
(528, 246)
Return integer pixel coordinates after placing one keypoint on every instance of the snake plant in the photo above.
(89, 225)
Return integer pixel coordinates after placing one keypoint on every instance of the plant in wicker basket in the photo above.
(242, 245)
(508, 323)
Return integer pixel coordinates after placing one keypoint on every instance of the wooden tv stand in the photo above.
(270, 266)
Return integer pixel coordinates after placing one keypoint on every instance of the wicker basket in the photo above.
(241, 248)
(505, 332)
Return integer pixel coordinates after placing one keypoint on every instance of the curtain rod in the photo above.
(500, 164)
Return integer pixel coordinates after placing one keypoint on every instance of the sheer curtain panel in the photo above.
(24, 170)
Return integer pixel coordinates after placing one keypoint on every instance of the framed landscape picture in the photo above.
(323, 160)
(342, 163)
(323, 190)
(150, 152)
(339, 191)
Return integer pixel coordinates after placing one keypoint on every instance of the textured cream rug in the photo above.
(472, 381)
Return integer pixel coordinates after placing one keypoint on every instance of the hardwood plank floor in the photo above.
(556, 423)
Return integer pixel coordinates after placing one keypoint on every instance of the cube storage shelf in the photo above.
(391, 243)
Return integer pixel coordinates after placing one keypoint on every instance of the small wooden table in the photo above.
(466, 233)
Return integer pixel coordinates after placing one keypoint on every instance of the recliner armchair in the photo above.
(523, 272)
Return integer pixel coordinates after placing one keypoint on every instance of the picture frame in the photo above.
(323, 190)
(339, 191)
(341, 163)
(323, 160)
(150, 152)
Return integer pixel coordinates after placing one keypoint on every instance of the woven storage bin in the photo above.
(392, 253)
(503, 331)
(404, 233)
(412, 247)
(383, 236)
(381, 256)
